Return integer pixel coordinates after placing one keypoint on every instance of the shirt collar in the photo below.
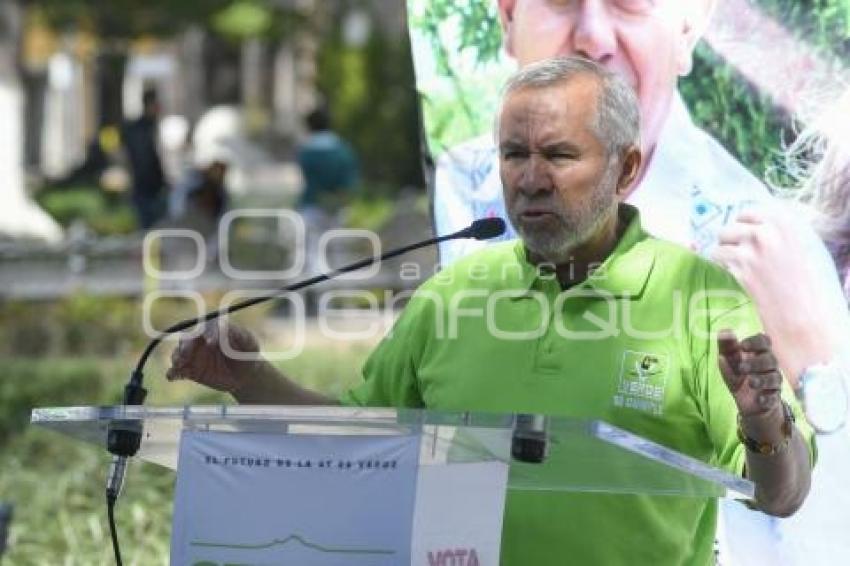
(624, 272)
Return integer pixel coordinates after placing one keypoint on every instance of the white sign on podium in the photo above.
(294, 499)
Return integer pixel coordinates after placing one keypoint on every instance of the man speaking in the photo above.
(586, 316)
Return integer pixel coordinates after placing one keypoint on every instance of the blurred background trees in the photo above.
(81, 66)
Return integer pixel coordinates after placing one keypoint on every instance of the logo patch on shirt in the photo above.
(643, 379)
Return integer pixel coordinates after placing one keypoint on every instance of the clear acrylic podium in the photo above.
(583, 455)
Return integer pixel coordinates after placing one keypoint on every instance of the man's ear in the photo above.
(506, 17)
(696, 15)
(631, 162)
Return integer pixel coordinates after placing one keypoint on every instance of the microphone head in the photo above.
(486, 228)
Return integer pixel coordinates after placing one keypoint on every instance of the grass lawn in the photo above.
(56, 484)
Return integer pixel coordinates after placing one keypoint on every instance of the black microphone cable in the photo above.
(124, 438)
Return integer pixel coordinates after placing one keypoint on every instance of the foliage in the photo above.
(124, 19)
(104, 214)
(66, 524)
(459, 31)
(744, 120)
(27, 384)
(822, 24)
(243, 19)
(478, 27)
(373, 104)
(368, 213)
(81, 324)
(78, 324)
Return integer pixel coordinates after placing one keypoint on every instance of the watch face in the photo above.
(825, 400)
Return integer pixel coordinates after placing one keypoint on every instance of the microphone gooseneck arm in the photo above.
(482, 229)
(120, 444)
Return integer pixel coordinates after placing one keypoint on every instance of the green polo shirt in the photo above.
(633, 345)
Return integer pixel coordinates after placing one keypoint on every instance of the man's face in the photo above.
(553, 167)
(648, 42)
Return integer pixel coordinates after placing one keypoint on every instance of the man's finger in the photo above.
(729, 349)
(176, 354)
(735, 234)
(768, 399)
(733, 380)
(727, 342)
(211, 332)
(751, 216)
(756, 343)
(185, 351)
(768, 382)
(763, 362)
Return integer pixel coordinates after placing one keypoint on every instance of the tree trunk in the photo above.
(110, 81)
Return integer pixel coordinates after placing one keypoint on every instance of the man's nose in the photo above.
(594, 36)
(534, 177)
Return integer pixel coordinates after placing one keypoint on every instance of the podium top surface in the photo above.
(581, 454)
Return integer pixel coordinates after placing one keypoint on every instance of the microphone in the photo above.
(485, 228)
(124, 438)
(530, 438)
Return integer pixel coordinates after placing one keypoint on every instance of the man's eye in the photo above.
(513, 155)
(560, 157)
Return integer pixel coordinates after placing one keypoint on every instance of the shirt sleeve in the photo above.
(713, 397)
(390, 377)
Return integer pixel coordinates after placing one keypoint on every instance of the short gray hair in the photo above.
(617, 120)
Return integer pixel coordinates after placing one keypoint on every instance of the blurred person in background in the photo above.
(139, 138)
(329, 169)
(201, 196)
(200, 199)
(328, 164)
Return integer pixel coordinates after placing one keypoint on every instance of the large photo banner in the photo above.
(744, 121)
(725, 89)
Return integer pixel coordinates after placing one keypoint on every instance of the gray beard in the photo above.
(575, 226)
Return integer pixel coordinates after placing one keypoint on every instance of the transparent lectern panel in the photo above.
(593, 456)
(581, 455)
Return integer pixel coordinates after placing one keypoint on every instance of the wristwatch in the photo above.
(824, 397)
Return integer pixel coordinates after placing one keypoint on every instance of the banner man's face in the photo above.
(553, 166)
(648, 42)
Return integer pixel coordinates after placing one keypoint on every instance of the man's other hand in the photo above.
(751, 372)
(223, 357)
